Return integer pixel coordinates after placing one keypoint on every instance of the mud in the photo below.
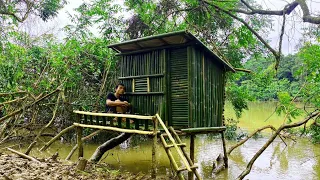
(17, 168)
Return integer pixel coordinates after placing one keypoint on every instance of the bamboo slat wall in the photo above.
(143, 76)
(178, 66)
(207, 82)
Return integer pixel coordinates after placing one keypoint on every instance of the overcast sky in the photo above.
(291, 37)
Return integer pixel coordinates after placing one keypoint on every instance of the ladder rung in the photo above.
(171, 145)
(184, 168)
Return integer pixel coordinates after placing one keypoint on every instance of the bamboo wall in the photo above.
(207, 93)
(143, 76)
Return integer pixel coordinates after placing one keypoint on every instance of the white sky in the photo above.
(290, 40)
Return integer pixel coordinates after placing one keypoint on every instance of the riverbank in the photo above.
(16, 168)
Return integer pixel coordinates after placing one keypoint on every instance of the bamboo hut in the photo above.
(175, 75)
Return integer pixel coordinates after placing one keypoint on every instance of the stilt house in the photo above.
(175, 75)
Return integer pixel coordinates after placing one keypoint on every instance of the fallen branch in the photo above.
(56, 137)
(271, 139)
(23, 155)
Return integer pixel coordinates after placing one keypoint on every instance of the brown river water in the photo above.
(298, 160)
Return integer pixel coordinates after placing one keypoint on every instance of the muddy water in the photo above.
(300, 160)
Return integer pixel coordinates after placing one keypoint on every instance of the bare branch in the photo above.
(286, 10)
(315, 115)
(274, 52)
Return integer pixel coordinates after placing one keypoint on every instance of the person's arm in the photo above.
(117, 103)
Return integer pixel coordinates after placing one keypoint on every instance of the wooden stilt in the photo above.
(225, 155)
(154, 150)
(79, 141)
(190, 174)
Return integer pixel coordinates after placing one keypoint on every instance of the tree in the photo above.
(20, 10)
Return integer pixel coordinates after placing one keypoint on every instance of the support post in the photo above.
(154, 149)
(225, 155)
(79, 142)
(190, 174)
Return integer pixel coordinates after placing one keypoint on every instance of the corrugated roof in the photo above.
(162, 40)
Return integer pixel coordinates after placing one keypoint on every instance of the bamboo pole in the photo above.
(115, 115)
(154, 150)
(174, 143)
(56, 137)
(114, 129)
(190, 174)
(203, 130)
(189, 159)
(23, 155)
(174, 164)
(79, 141)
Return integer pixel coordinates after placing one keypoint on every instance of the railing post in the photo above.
(154, 149)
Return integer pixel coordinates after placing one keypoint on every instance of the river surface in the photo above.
(298, 160)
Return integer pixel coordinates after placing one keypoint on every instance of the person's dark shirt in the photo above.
(112, 97)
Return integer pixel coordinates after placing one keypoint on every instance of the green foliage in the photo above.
(287, 106)
(14, 11)
(231, 129)
(315, 133)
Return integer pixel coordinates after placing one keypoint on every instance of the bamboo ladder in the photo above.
(180, 148)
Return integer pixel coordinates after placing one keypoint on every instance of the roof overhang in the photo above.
(163, 40)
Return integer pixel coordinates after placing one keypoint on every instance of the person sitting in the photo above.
(116, 103)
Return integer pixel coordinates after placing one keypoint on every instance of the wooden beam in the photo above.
(115, 115)
(141, 76)
(114, 129)
(203, 130)
(143, 93)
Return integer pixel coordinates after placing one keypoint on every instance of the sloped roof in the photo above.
(162, 40)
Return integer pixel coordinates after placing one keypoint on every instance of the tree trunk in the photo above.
(109, 145)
